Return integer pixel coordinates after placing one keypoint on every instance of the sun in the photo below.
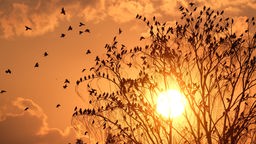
(171, 103)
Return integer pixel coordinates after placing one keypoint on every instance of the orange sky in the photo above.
(41, 88)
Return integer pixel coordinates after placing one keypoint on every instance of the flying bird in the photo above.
(28, 28)
(67, 81)
(3, 91)
(36, 65)
(65, 86)
(119, 31)
(45, 54)
(58, 105)
(26, 108)
(62, 35)
(63, 11)
(87, 30)
(88, 51)
(81, 24)
(70, 28)
(8, 71)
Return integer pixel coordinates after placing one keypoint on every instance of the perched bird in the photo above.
(85, 132)
(83, 70)
(65, 86)
(70, 28)
(87, 30)
(62, 35)
(3, 91)
(67, 81)
(8, 71)
(80, 32)
(81, 24)
(26, 108)
(36, 65)
(58, 105)
(88, 51)
(28, 28)
(63, 11)
(191, 4)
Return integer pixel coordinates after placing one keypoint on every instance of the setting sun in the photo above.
(170, 103)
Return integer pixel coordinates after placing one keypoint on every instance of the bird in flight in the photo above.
(36, 65)
(88, 51)
(80, 32)
(119, 31)
(45, 54)
(3, 91)
(65, 86)
(70, 28)
(62, 35)
(81, 24)
(28, 28)
(58, 105)
(8, 71)
(67, 81)
(26, 108)
(63, 11)
(87, 30)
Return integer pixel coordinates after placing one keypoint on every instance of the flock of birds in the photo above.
(62, 35)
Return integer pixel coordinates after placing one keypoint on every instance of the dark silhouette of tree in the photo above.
(201, 56)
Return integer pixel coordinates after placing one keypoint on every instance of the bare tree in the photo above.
(201, 56)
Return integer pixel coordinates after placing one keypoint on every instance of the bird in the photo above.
(88, 51)
(3, 91)
(58, 105)
(65, 86)
(119, 31)
(8, 71)
(62, 35)
(45, 54)
(83, 70)
(26, 108)
(36, 65)
(81, 24)
(28, 28)
(70, 28)
(80, 32)
(87, 30)
(85, 132)
(191, 4)
(141, 38)
(63, 11)
(67, 81)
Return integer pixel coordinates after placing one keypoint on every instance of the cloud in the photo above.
(30, 126)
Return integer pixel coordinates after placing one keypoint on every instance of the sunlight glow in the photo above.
(171, 103)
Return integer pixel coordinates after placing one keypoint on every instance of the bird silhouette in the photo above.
(119, 31)
(141, 38)
(63, 11)
(28, 28)
(3, 91)
(87, 30)
(70, 28)
(36, 65)
(88, 51)
(58, 105)
(62, 35)
(26, 108)
(80, 32)
(65, 86)
(67, 81)
(45, 54)
(81, 24)
(8, 71)
(85, 132)
(83, 70)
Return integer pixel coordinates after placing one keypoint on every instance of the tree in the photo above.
(201, 56)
